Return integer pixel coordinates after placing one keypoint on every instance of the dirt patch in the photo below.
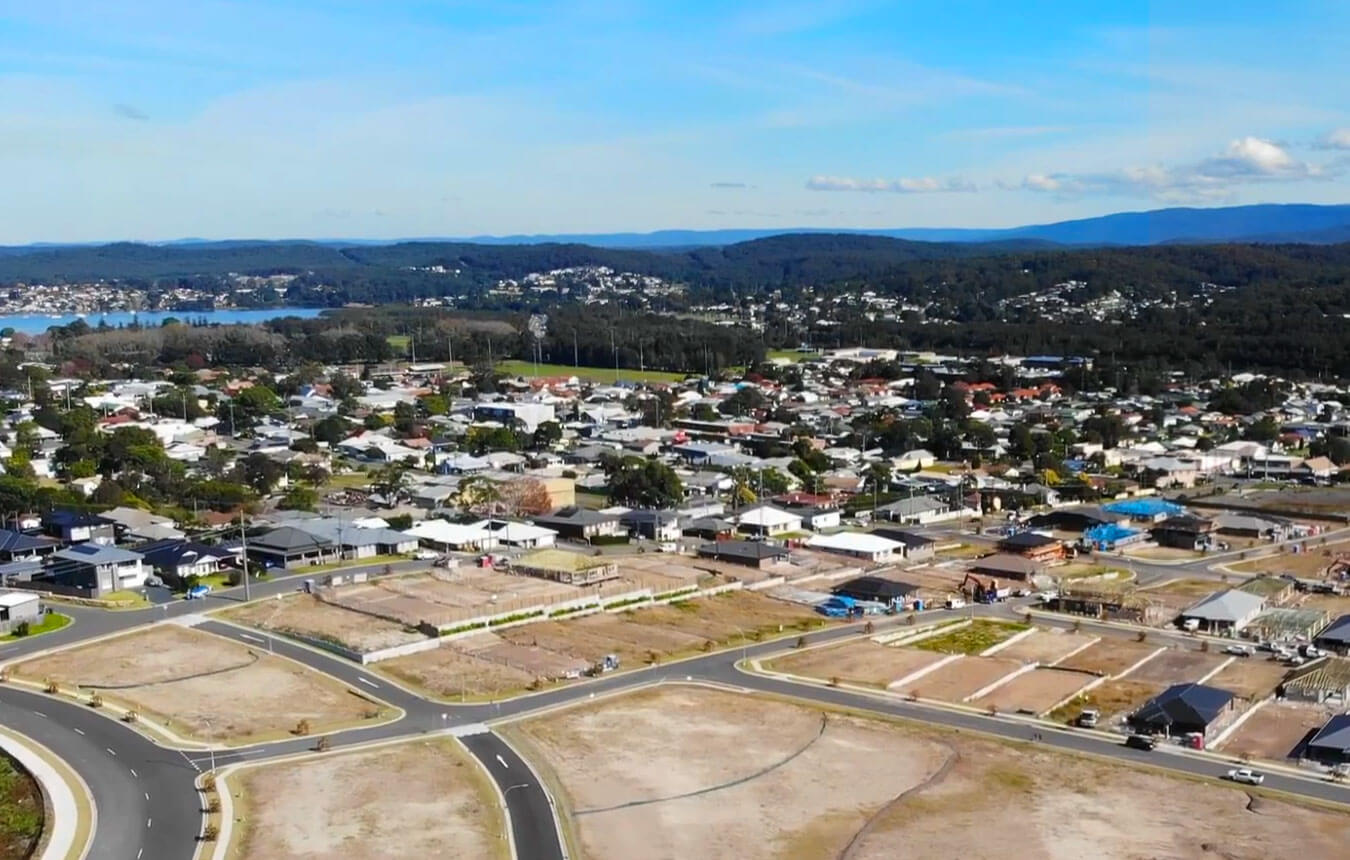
(1275, 731)
(1177, 666)
(859, 662)
(999, 802)
(1162, 553)
(452, 674)
(1035, 691)
(1311, 563)
(1111, 656)
(1112, 698)
(1249, 678)
(959, 679)
(204, 686)
(416, 799)
(1044, 646)
(795, 791)
(1193, 589)
(306, 615)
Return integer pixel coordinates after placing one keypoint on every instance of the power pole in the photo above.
(243, 545)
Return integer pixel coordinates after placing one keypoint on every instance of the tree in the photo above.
(547, 434)
(390, 481)
(745, 401)
(477, 494)
(248, 407)
(299, 498)
(524, 497)
(331, 429)
(405, 418)
(480, 440)
(260, 472)
(644, 483)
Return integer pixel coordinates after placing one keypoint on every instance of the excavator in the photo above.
(979, 592)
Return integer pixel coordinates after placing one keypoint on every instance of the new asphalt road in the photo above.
(144, 792)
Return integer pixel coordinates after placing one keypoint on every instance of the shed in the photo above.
(16, 607)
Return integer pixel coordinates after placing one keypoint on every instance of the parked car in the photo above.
(1246, 776)
(197, 592)
(426, 555)
(1088, 718)
(1239, 650)
(1141, 742)
(154, 581)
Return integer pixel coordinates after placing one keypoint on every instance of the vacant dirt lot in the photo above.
(1249, 677)
(203, 686)
(1177, 666)
(1276, 730)
(1112, 698)
(1036, 691)
(1003, 802)
(450, 673)
(416, 799)
(1044, 646)
(859, 662)
(1309, 564)
(1111, 656)
(306, 615)
(1162, 553)
(800, 790)
(957, 680)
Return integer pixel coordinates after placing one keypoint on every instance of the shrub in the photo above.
(302, 727)
(52, 687)
(801, 642)
(213, 804)
(210, 832)
(22, 629)
(323, 744)
(209, 781)
(130, 717)
(96, 700)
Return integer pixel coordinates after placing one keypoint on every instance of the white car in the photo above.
(1239, 650)
(426, 555)
(1246, 776)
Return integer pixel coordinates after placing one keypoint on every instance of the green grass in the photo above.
(340, 565)
(126, 599)
(398, 342)
(972, 639)
(349, 481)
(597, 374)
(789, 354)
(50, 623)
(20, 810)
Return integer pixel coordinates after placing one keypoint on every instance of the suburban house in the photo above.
(768, 521)
(1184, 532)
(1331, 744)
(917, 547)
(443, 535)
(651, 525)
(134, 523)
(17, 546)
(175, 559)
(288, 546)
(919, 510)
(751, 553)
(1226, 612)
(519, 535)
(79, 526)
(1322, 681)
(580, 524)
(1182, 709)
(1031, 545)
(93, 570)
(354, 541)
(876, 589)
(1007, 566)
(17, 607)
(1336, 637)
(868, 547)
(815, 516)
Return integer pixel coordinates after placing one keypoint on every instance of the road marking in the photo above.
(503, 761)
(40, 714)
(367, 683)
(147, 823)
(133, 772)
(79, 731)
(147, 795)
(139, 853)
(111, 751)
(251, 638)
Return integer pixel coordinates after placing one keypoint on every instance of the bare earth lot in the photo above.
(1177, 666)
(859, 662)
(306, 615)
(998, 800)
(1111, 656)
(957, 680)
(1044, 646)
(1308, 564)
(1036, 691)
(1274, 731)
(1250, 677)
(203, 686)
(809, 805)
(410, 800)
(1112, 698)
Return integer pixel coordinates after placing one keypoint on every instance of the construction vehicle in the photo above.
(608, 663)
(980, 592)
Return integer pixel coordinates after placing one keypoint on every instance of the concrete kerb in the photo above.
(900, 683)
(1217, 669)
(1011, 640)
(1128, 669)
(1000, 681)
(65, 797)
(1242, 718)
(1092, 640)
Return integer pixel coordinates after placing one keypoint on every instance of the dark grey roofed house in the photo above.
(652, 525)
(876, 588)
(709, 527)
(79, 526)
(1006, 566)
(16, 546)
(579, 523)
(289, 547)
(1182, 709)
(93, 570)
(1331, 744)
(917, 547)
(752, 553)
(1336, 637)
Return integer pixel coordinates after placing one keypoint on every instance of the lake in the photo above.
(39, 323)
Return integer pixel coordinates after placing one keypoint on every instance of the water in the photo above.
(39, 323)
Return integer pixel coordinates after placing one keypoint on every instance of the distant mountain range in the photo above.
(1267, 223)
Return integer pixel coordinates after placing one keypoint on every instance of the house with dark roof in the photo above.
(916, 546)
(651, 525)
(1184, 532)
(1007, 566)
(751, 553)
(17, 546)
(1336, 637)
(575, 523)
(1034, 546)
(1331, 744)
(877, 589)
(174, 559)
(1182, 709)
(79, 526)
(288, 546)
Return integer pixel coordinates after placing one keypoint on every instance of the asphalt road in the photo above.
(166, 825)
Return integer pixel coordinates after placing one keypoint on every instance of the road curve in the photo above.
(531, 815)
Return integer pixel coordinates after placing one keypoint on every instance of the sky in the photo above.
(166, 119)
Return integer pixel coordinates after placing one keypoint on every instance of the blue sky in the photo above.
(346, 118)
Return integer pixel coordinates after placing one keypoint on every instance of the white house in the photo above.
(869, 547)
(768, 521)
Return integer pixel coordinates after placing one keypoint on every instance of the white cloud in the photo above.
(1336, 139)
(1246, 160)
(905, 185)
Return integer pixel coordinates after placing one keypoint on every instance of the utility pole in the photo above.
(243, 545)
(575, 362)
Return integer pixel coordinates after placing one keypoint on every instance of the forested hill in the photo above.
(399, 272)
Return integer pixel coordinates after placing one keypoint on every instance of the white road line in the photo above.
(110, 750)
(147, 823)
(250, 638)
(133, 772)
(79, 731)
(139, 853)
(40, 714)
(367, 683)
(147, 795)
(503, 761)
